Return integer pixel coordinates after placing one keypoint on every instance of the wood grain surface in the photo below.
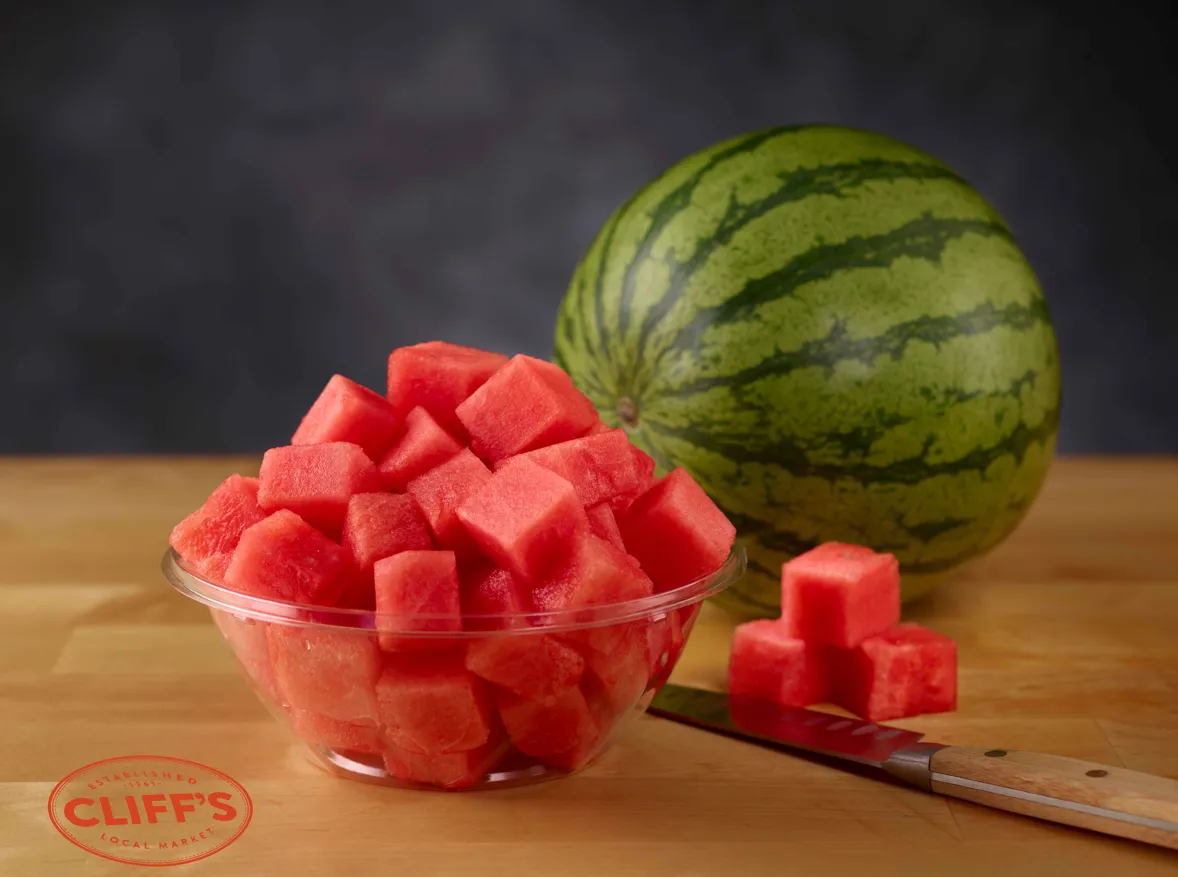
(1068, 639)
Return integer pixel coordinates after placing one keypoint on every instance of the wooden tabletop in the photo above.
(1068, 640)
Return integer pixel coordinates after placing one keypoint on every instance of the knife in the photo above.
(1084, 794)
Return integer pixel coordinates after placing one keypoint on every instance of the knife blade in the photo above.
(1069, 791)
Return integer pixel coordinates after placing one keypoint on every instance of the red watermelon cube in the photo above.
(564, 732)
(768, 664)
(676, 532)
(621, 671)
(595, 573)
(207, 537)
(319, 730)
(453, 770)
(438, 376)
(526, 404)
(600, 426)
(839, 595)
(433, 707)
(536, 666)
(905, 671)
(348, 412)
(316, 481)
(441, 490)
(644, 465)
(247, 639)
(489, 594)
(604, 525)
(417, 591)
(379, 525)
(600, 466)
(525, 518)
(331, 673)
(423, 446)
(282, 557)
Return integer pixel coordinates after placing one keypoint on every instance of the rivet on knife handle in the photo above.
(1100, 798)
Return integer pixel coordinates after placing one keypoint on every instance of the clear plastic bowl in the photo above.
(375, 698)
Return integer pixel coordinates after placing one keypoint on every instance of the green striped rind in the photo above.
(837, 336)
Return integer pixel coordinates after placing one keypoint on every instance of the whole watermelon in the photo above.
(837, 336)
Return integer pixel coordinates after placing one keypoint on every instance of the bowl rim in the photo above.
(217, 597)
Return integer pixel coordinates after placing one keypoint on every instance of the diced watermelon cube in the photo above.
(535, 666)
(489, 594)
(438, 376)
(417, 591)
(327, 672)
(441, 490)
(433, 707)
(525, 518)
(423, 446)
(677, 533)
(644, 465)
(526, 404)
(905, 671)
(600, 466)
(453, 770)
(247, 638)
(768, 664)
(838, 595)
(595, 573)
(316, 481)
(615, 656)
(379, 525)
(604, 525)
(347, 412)
(564, 732)
(283, 557)
(320, 730)
(600, 426)
(207, 537)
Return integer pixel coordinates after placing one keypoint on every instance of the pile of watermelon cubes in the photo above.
(839, 641)
(477, 501)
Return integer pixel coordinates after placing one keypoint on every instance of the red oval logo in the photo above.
(150, 810)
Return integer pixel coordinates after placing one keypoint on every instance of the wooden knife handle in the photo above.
(1110, 800)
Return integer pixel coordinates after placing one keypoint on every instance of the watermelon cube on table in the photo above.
(838, 595)
(319, 730)
(438, 376)
(905, 671)
(332, 673)
(489, 597)
(440, 491)
(379, 525)
(348, 412)
(594, 574)
(564, 732)
(282, 557)
(453, 770)
(525, 518)
(676, 532)
(527, 404)
(433, 707)
(423, 446)
(768, 663)
(207, 537)
(600, 466)
(316, 481)
(604, 525)
(417, 591)
(533, 665)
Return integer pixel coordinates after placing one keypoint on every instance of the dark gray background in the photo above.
(206, 209)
